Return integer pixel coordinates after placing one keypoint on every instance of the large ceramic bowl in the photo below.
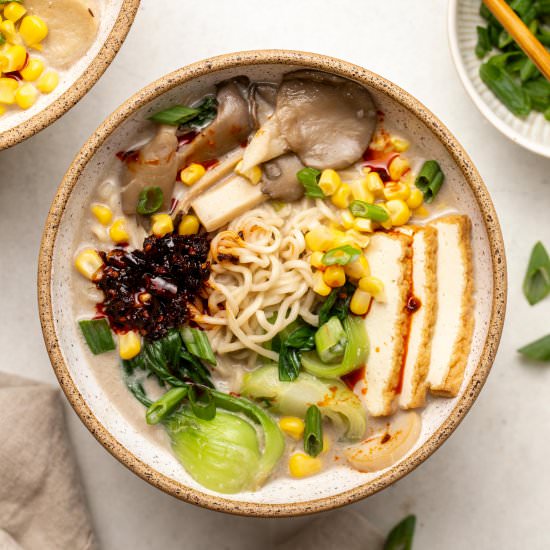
(91, 394)
(115, 20)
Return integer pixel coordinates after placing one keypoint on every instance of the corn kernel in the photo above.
(189, 225)
(161, 224)
(360, 302)
(400, 145)
(14, 11)
(375, 184)
(327, 444)
(88, 263)
(334, 276)
(292, 426)
(398, 166)
(416, 198)
(48, 82)
(361, 192)
(388, 223)
(103, 213)
(399, 212)
(359, 239)
(8, 86)
(358, 269)
(192, 173)
(319, 285)
(253, 175)
(319, 239)
(26, 96)
(342, 196)
(315, 260)
(347, 219)
(373, 286)
(363, 225)
(13, 58)
(396, 190)
(118, 232)
(129, 345)
(33, 29)
(8, 30)
(33, 69)
(302, 465)
(329, 182)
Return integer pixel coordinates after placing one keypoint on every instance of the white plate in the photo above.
(533, 132)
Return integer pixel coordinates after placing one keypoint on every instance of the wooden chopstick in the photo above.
(525, 39)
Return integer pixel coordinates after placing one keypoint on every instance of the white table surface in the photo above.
(488, 486)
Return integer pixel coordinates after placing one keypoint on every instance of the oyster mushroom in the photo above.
(326, 120)
(279, 179)
(230, 128)
(156, 165)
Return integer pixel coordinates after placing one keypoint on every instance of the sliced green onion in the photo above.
(483, 46)
(342, 255)
(165, 405)
(430, 179)
(202, 402)
(536, 285)
(98, 336)
(149, 200)
(330, 341)
(506, 89)
(539, 350)
(313, 431)
(401, 536)
(197, 343)
(174, 116)
(309, 178)
(362, 209)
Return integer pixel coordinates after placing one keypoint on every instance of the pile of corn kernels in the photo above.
(22, 75)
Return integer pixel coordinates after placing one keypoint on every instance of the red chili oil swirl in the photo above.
(379, 161)
(354, 377)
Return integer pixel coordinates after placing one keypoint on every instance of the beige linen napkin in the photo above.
(41, 500)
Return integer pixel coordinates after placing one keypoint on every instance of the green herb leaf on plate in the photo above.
(401, 536)
(309, 178)
(539, 350)
(536, 285)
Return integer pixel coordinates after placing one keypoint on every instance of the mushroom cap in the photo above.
(326, 120)
(279, 179)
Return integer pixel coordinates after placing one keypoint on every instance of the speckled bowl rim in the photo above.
(98, 65)
(243, 59)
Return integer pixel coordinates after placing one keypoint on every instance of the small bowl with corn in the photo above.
(417, 133)
(51, 54)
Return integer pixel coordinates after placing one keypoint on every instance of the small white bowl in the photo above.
(533, 132)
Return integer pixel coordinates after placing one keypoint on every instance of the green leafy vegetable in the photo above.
(197, 343)
(165, 405)
(484, 45)
(334, 399)
(355, 355)
(309, 178)
(337, 304)
(362, 209)
(539, 92)
(536, 285)
(134, 385)
(202, 402)
(401, 536)
(313, 431)
(341, 255)
(430, 179)
(149, 200)
(98, 336)
(181, 115)
(539, 350)
(330, 341)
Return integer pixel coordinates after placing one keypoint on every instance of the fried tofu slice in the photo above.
(455, 321)
(422, 307)
(389, 256)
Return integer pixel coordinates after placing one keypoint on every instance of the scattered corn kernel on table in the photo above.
(487, 486)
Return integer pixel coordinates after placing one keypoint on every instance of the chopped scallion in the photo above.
(313, 431)
(149, 200)
(362, 209)
(430, 179)
(341, 255)
(98, 336)
(165, 405)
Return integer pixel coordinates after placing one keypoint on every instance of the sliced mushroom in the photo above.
(326, 120)
(228, 130)
(156, 165)
(263, 97)
(279, 179)
(387, 447)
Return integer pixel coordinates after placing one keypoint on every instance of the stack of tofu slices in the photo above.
(420, 333)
